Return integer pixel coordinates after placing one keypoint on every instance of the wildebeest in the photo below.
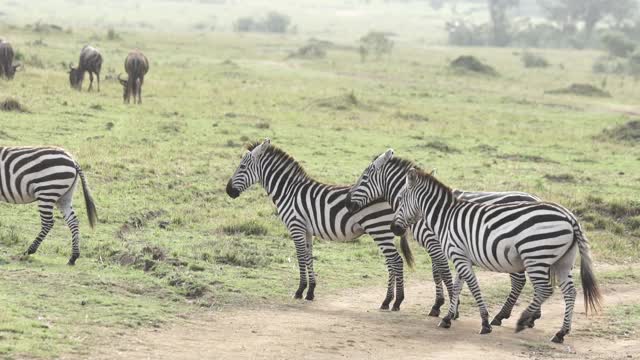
(136, 65)
(90, 61)
(7, 68)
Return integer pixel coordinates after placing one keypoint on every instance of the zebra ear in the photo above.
(412, 177)
(383, 158)
(433, 172)
(259, 150)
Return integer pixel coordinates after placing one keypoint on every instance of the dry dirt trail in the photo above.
(348, 325)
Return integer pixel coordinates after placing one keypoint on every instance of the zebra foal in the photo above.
(540, 238)
(309, 208)
(384, 179)
(49, 176)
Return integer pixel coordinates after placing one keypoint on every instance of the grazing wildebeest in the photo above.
(7, 68)
(91, 61)
(136, 66)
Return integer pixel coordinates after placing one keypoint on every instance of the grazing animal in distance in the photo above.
(7, 68)
(385, 177)
(49, 176)
(541, 238)
(310, 208)
(136, 65)
(90, 61)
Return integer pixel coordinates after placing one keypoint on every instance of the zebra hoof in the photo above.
(456, 316)
(384, 306)
(434, 312)
(445, 323)
(485, 330)
(395, 308)
(298, 295)
(496, 322)
(71, 262)
(309, 296)
(557, 339)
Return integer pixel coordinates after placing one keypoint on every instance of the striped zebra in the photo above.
(309, 208)
(49, 176)
(90, 61)
(385, 177)
(540, 238)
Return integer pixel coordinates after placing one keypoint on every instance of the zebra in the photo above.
(91, 61)
(49, 176)
(541, 238)
(309, 208)
(136, 65)
(384, 178)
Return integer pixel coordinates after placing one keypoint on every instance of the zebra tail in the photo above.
(92, 213)
(406, 250)
(592, 295)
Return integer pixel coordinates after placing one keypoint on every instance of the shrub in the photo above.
(461, 33)
(531, 60)
(113, 35)
(617, 44)
(275, 22)
(471, 63)
(244, 24)
(377, 43)
(608, 65)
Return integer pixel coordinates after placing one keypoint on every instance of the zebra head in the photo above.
(370, 185)
(409, 210)
(248, 172)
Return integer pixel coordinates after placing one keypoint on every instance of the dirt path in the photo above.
(348, 325)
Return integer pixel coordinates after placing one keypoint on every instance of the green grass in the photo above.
(170, 240)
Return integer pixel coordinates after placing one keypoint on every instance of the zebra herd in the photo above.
(510, 232)
(136, 66)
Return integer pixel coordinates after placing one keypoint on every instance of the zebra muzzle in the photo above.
(231, 191)
(396, 229)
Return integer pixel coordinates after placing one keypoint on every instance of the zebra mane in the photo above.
(404, 163)
(425, 175)
(283, 156)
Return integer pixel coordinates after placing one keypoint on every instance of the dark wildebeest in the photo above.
(91, 61)
(136, 65)
(7, 68)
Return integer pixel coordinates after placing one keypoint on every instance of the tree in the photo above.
(499, 21)
(569, 14)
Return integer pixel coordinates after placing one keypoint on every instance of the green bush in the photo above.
(617, 44)
(531, 60)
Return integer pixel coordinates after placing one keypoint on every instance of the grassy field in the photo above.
(170, 241)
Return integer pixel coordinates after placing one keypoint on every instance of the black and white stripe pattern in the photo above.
(47, 175)
(540, 238)
(309, 208)
(90, 61)
(385, 177)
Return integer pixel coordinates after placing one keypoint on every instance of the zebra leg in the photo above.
(440, 270)
(309, 264)
(394, 267)
(517, 284)
(98, 78)
(569, 294)
(454, 296)
(541, 291)
(465, 269)
(65, 206)
(299, 240)
(45, 206)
